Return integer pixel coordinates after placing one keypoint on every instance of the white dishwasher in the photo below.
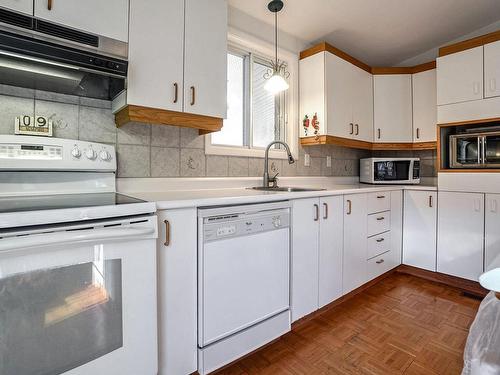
(243, 280)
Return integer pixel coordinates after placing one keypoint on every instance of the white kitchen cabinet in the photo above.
(396, 228)
(355, 241)
(22, 6)
(305, 257)
(177, 291)
(330, 249)
(205, 58)
(424, 106)
(155, 75)
(392, 108)
(492, 69)
(492, 232)
(460, 234)
(340, 93)
(460, 76)
(105, 18)
(419, 233)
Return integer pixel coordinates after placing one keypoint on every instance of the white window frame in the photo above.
(248, 43)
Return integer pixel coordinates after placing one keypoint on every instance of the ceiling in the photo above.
(378, 32)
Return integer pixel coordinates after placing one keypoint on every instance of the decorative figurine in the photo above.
(315, 124)
(305, 124)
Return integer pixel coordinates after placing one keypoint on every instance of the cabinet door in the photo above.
(155, 75)
(205, 58)
(305, 253)
(460, 234)
(23, 6)
(492, 232)
(106, 18)
(460, 76)
(177, 291)
(419, 233)
(330, 249)
(312, 92)
(424, 106)
(392, 108)
(362, 104)
(355, 229)
(492, 69)
(396, 228)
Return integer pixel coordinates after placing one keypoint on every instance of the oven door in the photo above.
(465, 151)
(79, 299)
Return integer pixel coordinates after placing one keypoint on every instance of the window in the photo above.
(254, 116)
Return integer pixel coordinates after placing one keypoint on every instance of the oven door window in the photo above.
(392, 170)
(492, 150)
(55, 319)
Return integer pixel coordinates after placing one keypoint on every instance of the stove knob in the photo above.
(104, 155)
(90, 154)
(76, 152)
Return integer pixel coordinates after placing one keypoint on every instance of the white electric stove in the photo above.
(77, 263)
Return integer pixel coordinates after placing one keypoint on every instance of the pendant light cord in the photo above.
(276, 38)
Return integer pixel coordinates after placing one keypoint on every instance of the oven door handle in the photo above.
(12, 244)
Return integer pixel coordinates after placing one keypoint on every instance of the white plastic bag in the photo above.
(482, 350)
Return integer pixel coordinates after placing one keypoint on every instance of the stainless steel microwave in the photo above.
(475, 150)
(390, 171)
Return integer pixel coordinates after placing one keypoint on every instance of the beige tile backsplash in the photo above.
(169, 151)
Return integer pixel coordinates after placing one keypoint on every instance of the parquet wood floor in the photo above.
(402, 325)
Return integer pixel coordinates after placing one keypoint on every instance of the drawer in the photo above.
(379, 265)
(378, 244)
(379, 223)
(378, 202)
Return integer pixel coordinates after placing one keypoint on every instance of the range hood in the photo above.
(38, 61)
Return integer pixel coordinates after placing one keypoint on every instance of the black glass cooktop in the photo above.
(54, 202)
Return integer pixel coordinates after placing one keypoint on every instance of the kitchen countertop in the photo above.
(231, 196)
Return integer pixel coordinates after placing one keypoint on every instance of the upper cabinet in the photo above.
(177, 64)
(460, 76)
(492, 69)
(392, 108)
(23, 6)
(105, 18)
(424, 106)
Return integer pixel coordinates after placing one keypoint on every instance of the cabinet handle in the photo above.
(430, 201)
(380, 218)
(325, 216)
(477, 205)
(193, 95)
(349, 207)
(378, 133)
(49, 4)
(380, 196)
(167, 233)
(316, 210)
(475, 87)
(493, 206)
(176, 92)
(357, 129)
(380, 240)
(352, 128)
(493, 85)
(380, 261)
(418, 133)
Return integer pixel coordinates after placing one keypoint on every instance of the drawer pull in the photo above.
(380, 240)
(380, 196)
(380, 261)
(167, 233)
(430, 201)
(380, 218)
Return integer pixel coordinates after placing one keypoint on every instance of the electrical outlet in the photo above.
(328, 161)
(307, 160)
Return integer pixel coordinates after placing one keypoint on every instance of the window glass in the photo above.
(264, 108)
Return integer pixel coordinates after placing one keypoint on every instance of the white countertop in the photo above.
(172, 199)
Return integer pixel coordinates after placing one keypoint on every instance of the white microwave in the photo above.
(390, 170)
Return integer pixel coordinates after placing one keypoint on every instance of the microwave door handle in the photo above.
(483, 149)
(479, 150)
(10, 245)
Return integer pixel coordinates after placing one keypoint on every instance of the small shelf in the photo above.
(363, 145)
(133, 113)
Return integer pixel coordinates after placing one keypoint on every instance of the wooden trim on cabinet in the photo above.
(392, 70)
(467, 286)
(205, 124)
(469, 122)
(405, 146)
(322, 47)
(469, 43)
(424, 67)
(363, 145)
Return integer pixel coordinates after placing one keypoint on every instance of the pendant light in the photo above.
(276, 77)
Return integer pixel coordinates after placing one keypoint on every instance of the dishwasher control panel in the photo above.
(228, 226)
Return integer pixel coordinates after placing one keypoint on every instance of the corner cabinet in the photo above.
(177, 291)
(177, 64)
(424, 106)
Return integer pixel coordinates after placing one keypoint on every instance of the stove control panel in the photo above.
(39, 153)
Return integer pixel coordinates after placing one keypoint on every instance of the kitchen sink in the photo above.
(289, 189)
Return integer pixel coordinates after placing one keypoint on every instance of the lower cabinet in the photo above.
(460, 234)
(419, 234)
(177, 291)
(492, 232)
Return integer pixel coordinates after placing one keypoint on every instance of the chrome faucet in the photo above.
(274, 180)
